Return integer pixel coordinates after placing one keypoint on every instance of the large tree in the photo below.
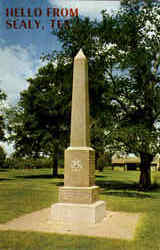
(39, 124)
(134, 76)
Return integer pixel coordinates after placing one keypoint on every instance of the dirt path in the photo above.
(118, 225)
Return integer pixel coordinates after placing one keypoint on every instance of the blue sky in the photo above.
(20, 48)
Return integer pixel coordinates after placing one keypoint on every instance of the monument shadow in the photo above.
(116, 185)
(124, 189)
(7, 179)
(127, 194)
(3, 170)
(41, 176)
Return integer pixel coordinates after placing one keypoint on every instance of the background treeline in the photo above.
(14, 162)
(20, 163)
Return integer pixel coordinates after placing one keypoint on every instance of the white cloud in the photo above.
(17, 64)
(87, 8)
(8, 147)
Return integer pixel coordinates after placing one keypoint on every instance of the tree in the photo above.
(3, 97)
(39, 123)
(135, 52)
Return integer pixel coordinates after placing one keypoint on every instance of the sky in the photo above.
(26, 33)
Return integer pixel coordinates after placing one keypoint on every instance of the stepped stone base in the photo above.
(78, 213)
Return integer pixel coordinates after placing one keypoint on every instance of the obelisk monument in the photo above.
(79, 197)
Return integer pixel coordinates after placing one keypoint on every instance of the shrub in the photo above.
(10, 163)
(2, 157)
(101, 163)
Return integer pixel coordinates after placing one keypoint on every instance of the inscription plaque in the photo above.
(77, 195)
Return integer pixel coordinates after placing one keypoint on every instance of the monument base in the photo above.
(78, 213)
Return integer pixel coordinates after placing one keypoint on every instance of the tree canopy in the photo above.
(39, 123)
(3, 97)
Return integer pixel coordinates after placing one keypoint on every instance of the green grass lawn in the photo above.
(24, 191)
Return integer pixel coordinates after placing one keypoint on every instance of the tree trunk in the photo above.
(55, 164)
(145, 168)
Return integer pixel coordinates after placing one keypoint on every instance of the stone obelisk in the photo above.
(78, 199)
